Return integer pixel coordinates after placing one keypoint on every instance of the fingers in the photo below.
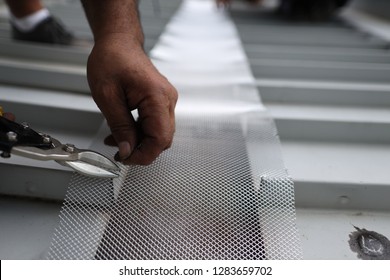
(155, 126)
(129, 81)
(150, 146)
(113, 105)
(143, 153)
(147, 151)
(140, 142)
(157, 136)
(110, 141)
(124, 132)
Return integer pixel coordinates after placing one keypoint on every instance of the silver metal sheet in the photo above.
(207, 197)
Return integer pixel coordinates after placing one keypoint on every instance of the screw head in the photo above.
(69, 148)
(46, 139)
(24, 125)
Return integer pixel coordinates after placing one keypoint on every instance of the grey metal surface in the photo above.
(375, 7)
(330, 93)
(317, 53)
(327, 87)
(309, 36)
(44, 76)
(26, 227)
(312, 70)
(37, 52)
(325, 84)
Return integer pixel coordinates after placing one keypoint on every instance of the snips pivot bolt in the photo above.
(46, 139)
(69, 148)
(12, 136)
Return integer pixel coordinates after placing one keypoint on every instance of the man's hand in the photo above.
(122, 78)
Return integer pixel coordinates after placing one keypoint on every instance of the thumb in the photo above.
(124, 150)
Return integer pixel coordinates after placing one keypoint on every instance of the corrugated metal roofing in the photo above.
(326, 85)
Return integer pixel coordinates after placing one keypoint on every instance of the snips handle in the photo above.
(14, 134)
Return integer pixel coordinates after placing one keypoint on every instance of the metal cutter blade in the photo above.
(93, 164)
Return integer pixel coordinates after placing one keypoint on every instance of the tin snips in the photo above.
(20, 139)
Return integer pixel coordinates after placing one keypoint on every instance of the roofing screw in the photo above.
(344, 199)
(69, 148)
(12, 136)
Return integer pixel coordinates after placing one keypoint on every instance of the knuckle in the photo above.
(165, 140)
(164, 91)
(174, 95)
(117, 127)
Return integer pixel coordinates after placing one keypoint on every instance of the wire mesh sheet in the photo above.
(202, 199)
(221, 190)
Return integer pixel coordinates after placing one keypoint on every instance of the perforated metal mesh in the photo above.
(221, 190)
(202, 199)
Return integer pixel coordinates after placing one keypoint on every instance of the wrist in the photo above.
(112, 19)
(119, 38)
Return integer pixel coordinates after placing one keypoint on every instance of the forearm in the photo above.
(111, 17)
(122, 78)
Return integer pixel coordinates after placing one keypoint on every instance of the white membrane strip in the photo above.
(220, 192)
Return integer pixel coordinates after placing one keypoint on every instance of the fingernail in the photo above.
(124, 150)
